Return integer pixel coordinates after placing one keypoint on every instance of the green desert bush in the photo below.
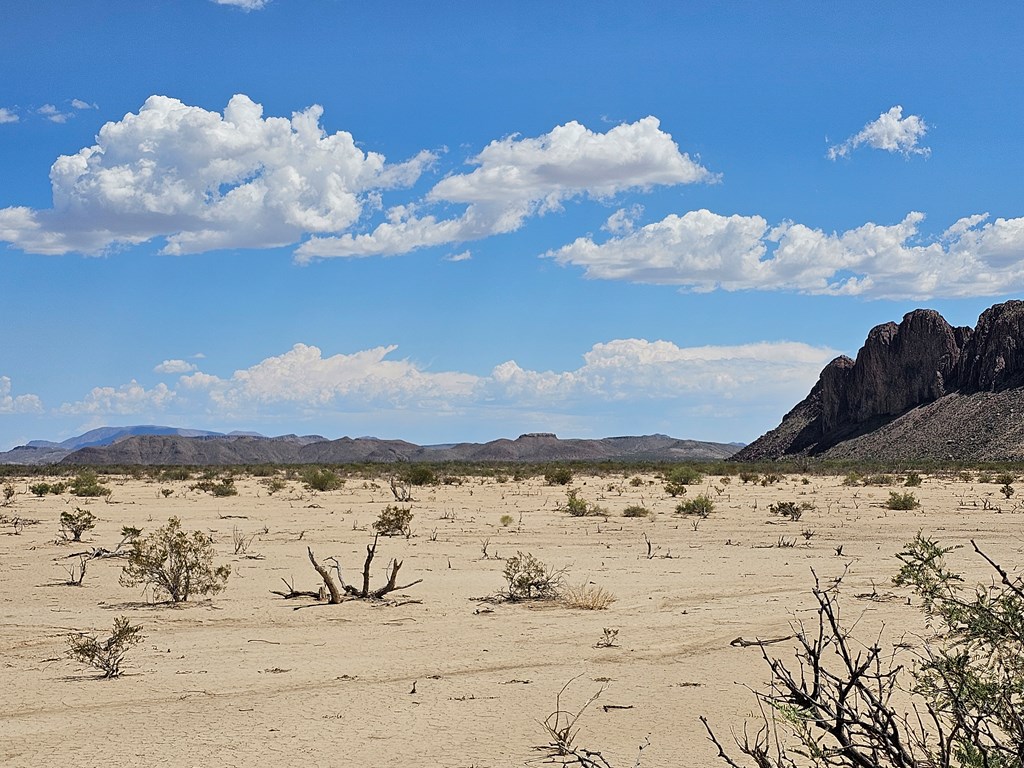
(39, 489)
(105, 655)
(902, 501)
(420, 474)
(912, 480)
(74, 523)
(218, 488)
(790, 509)
(174, 563)
(87, 484)
(577, 506)
(679, 477)
(878, 480)
(394, 521)
(701, 505)
(273, 485)
(507, 520)
(175, 473)
(529, 579)
(558, 476)
(636, 510)
(320, 479)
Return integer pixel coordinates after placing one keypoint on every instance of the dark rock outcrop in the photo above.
(915, 390)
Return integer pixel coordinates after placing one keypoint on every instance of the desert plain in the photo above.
(446, 673)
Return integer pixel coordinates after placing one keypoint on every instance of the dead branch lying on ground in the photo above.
(335, 589)
(739, 642)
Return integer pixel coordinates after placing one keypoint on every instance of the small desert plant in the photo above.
(609, 638)
(108, 654)
(175, 473)
(39, 489)
(166, 492)
(749, 477)
(636, 510)
(219, 488)
(174, 563)
(678, 478)
(637, 482)
(241, 540)
(913, 480)
(701, 506)
(878, 480)
(9, 493)
(577, 506)
(902, 501)
(1005, 478)
(558, 476)
(87, 484)
(1007, 491)
(317, 479)
(529, 579)
(74, 524)
(225, 487)
(587, 596)
(852, 479)
(790, 509)
(770, 479)
(394, 521)
(273, 485)
(507, 520)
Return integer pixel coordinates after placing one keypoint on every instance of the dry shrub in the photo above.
(587, 596)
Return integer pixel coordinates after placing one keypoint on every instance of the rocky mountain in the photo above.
(920, 389)
(290, 449)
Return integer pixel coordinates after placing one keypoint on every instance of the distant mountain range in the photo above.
(157, 445)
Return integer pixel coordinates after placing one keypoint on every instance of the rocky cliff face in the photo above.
(921, 361)
(993, 358)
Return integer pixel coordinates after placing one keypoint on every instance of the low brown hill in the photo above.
(921, 389)
(532, 448)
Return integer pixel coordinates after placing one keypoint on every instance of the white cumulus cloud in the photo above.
(705, 251)
(54, 115)
(623, 373)
(891, 132)
(517, 178)
(17, 403)
(204, 181)
(631, 369)
(130, 398)
(175, 367)
(8, 116)
(303, 377)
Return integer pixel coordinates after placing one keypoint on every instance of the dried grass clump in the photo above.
(587, 596)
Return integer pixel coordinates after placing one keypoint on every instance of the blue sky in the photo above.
(465, 220)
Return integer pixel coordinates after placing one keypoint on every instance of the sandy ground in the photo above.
(245, 679)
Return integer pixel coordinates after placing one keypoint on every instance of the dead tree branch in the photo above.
(335, 590)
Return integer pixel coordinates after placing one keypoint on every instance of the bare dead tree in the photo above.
(837, 704)
(335, 589)
(561, 727)
(402, 490)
